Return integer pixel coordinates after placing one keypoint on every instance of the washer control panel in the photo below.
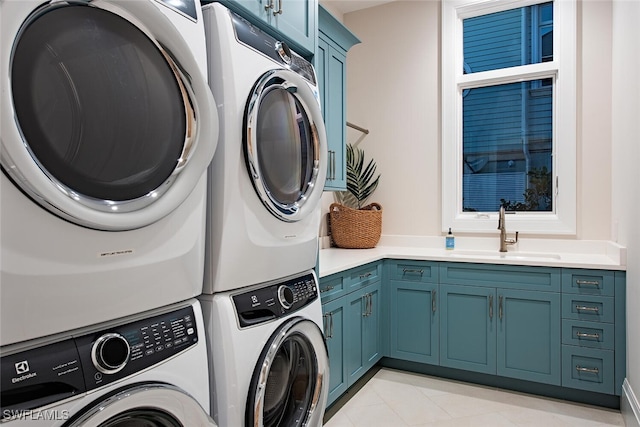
(54, 372)
(275, 300)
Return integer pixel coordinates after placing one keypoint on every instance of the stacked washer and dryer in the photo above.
(262, 309)
(107, 129)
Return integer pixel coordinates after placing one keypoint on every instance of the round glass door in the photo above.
(104, 117)
(145, 405)
(289, 384)
(285, 144)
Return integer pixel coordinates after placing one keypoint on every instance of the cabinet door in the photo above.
(362, 345)
(335, 116)
(468, 328)
(371, 345)
(529, 344)
(334, 332)
(296, 19)
(414, 321)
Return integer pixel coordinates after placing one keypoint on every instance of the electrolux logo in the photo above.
(22, 369)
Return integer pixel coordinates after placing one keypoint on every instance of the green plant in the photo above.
(360, 179)
(537, 197)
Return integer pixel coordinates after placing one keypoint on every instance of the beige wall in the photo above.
(626, 174)
(393, 90)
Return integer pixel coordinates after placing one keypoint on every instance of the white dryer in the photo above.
(269, 363)
(146, 370)
(107, 129)
(268, 174)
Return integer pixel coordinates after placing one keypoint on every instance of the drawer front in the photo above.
(585, 307)
(331, 287)
(588, 369)
(414, 271)
(588, 282)
(502, 276)
(588, 334)
(363, 276)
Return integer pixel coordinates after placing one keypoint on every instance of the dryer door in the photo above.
(290, 383)
(148, 405)
(107, 120)
(285, 144)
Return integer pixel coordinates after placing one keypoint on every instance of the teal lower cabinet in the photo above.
(351, 325)
(547, 330)
(468, 328)
(415, 326)
(363, 320)
(593, 330)
(333, 314)
(529, 335)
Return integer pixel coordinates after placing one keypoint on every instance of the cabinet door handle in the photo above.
(589, 370)
(269, 6)
(326, 324)
(412, 270)
(364, 276)
(586, 335)
(331, 323)
(491, 307)
(369, 305)
(588, 283)
(365, 304)
(332, 165)
(327, 289)
(433, 301)
(586, 308)
(279, 11)
(500, 309)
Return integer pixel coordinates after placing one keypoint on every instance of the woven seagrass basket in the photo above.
(355, 228)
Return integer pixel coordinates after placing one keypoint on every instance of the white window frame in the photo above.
(562, 220)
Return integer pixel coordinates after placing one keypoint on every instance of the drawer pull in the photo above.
(585, 308)
(412, 270)
(364, 276)
(589, 370)
(585, 335)
(327, 289)
(588, 282)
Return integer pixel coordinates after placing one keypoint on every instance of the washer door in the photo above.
(108, 121)
(145, 405)
(285, 144)
(290, 383)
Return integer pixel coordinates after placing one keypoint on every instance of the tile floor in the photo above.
(398, 399)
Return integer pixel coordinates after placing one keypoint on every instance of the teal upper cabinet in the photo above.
(334, 40)
(295, 21)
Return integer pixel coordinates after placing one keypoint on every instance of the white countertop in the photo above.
(536, 252)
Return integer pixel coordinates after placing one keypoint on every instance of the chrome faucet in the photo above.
(503, 232)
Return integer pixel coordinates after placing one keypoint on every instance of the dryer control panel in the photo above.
(54, 372)
(275, 300)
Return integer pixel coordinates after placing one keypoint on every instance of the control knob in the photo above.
(285, 296)
(110, 353)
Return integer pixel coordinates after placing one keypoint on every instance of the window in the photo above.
(508, 115)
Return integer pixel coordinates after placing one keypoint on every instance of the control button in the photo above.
(149, 352)
(160, 348)
(286, 296)
(97, 376)
(110, 353)
(190, 331)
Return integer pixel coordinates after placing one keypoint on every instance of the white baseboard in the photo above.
(629, 406)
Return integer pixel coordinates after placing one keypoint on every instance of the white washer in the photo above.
(107, 129)
(146, 370)
(268, 174)
(269, 361)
